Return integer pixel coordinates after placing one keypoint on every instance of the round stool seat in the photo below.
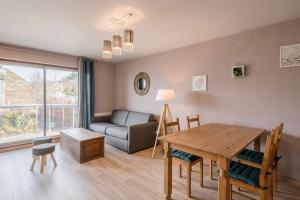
(43, 149)
(41, 140)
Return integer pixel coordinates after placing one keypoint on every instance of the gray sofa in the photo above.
(127, 130)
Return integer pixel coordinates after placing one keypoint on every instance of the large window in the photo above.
(36, 100)
(62, 100)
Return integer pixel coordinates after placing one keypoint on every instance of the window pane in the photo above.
(21, 102)
(62, 100)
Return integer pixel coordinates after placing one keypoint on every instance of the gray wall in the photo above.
(265, 97)
(104, 87)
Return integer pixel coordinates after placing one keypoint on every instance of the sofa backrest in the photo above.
(135, 118)
(119, 117)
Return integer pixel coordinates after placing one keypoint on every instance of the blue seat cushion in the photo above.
(253, 156)
(244, 173)
(184, 156)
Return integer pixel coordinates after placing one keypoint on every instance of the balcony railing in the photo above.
(25, 121)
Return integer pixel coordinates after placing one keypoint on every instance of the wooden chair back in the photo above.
(195, 119)
(171, 124)
(267, 159)
(278, 135)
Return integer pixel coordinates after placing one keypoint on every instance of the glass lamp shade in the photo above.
(117, 45)
(128, 40)
(107, 49)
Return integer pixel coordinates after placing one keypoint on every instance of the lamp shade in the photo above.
(165, 95)
(107, 49)
(117, 45)
(128, 40)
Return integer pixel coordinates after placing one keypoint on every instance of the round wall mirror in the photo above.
(141, 83)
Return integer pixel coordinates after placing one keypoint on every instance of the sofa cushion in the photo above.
(135, 118)
(119, 132)
(100, 127)
(119, 117)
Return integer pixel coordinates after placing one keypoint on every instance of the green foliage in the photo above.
(70, 92)
(14, 123)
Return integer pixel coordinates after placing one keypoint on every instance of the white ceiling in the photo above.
(75, 27)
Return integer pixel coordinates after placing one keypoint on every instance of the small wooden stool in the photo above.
(42, 150)
(41, 140)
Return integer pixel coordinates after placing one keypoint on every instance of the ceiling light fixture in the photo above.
(114, 46)
(128, 38)
(107, 49)
(117, 45)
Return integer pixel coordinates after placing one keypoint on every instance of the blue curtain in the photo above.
(88, 92)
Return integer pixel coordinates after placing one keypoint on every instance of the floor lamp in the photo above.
(164, 95)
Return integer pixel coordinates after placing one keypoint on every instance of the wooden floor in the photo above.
(116, 176)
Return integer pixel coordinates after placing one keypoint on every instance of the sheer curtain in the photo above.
(86, 92)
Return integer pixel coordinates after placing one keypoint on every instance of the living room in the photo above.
(141, 99)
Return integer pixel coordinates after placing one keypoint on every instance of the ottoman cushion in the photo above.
(41, 140)
(43, 149)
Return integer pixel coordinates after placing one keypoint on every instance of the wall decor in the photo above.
(290, 55)
(238, 71)
(141, 83)
(199, 83)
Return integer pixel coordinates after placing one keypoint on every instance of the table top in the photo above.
(215, 138)
(82, 134)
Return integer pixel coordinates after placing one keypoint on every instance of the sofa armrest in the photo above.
(101, 118)
(141, 136)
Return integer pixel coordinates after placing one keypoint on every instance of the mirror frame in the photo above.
(145, 76)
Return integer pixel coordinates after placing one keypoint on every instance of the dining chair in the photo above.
(197, 120)
(191, 120)
(184, 159)
(255, 158)
(255, 179)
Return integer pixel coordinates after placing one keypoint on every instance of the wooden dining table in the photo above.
(213, 141)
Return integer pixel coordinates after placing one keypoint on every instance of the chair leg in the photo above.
(180, 170)
(201, 173)
(42, 163)
(230, 192)
(275, 180)
(189, 170)
(271, 187)
(45, 159)
(53, 159)
(33, 162)
(211, 170)
(263, 195)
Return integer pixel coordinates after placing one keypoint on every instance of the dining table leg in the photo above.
(167, 171)
(257, 144)
(223, 184)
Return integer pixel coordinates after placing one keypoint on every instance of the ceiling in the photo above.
(76, 27)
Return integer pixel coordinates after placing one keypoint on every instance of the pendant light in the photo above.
(114, 46)
(107, 49)
(117, 45)
(128, 40)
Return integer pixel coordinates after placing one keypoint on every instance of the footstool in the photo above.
(41, 140)
(42, 150)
